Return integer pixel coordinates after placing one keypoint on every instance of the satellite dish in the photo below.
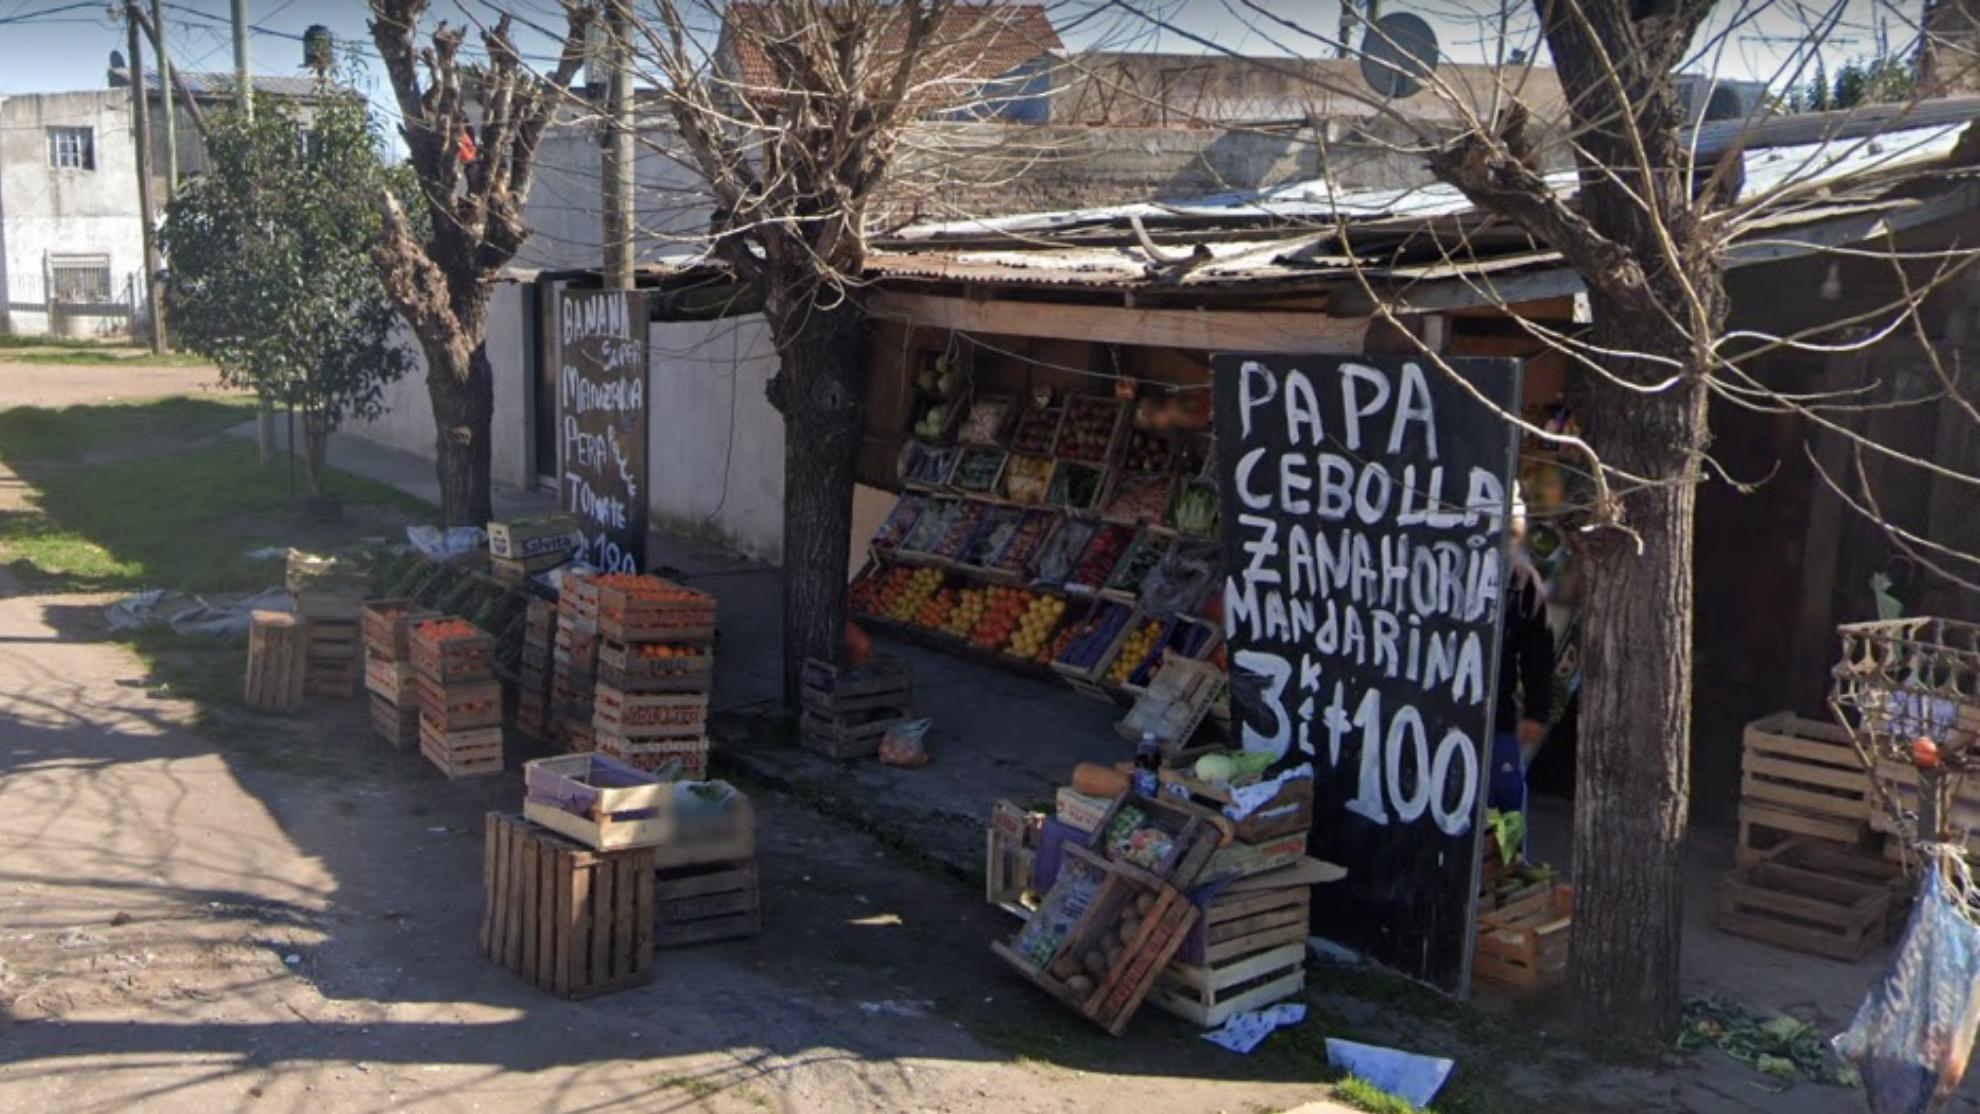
(1397, 55)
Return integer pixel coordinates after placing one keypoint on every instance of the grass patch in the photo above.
(182, 520)
(98, 358)
(1363, 1095)
(35, 433)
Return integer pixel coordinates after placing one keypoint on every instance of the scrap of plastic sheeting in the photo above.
(1247, 799)
(1242, 1032)
(268, 553)
(437, 545)
(194, 616)
(1914, 1032)
(1406, 1075)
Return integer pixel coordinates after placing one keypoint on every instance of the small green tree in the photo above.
(269, 266)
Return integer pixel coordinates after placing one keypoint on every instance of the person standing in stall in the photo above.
(1526, 671)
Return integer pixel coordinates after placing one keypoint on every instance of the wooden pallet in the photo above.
(854, 735)
(1804, 910)
(1208, 996)
(392, 679)
(459, 754)
(275, 664)
(703, 904)
(460, 705)
(1810, 767)
(570, 920)
(649, 715)
(395, 723)
(1524, 945)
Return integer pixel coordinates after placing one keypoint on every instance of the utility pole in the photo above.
(141, 124)
(616, 161)
(243, 84)
(171, 102)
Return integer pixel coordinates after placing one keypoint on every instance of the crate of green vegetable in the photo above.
(1194, 508)
(1134, 566)
(1076, 486)
(977, 470)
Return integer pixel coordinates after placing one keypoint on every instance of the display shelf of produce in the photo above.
(1027, 480)
(961, 528)
(1141, 558)
(1037, 432)
(942, 396)
(1095, 637)
(988, 420)
(978, 470)
(999, 524)
(1091, 429)
(1138, 498)
(929, 530)
(1098, 559)
(1193, 509)
(923, 466)
(1149, 452)
(1077, 486)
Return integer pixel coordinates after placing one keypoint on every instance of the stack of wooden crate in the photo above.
(656, 669)
(328, 593)
(1804, 790)
(275, 662)
(574, 662)
(847, 709)
(534, 670)
(520, 548)
(460, 701)
(1248, 949)
(389, 677)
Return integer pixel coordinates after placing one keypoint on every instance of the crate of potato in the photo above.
(649, 609)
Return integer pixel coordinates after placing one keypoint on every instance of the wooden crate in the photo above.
(705, 903)
(831, 690)
(337, 680)
(1139, 922)
(1010, 856)
(1208, 996)
(275, 663)
(1289, 810)
(460, 705)
(392, 679)
(397, 724)
(628, 618)
(854, 735)
(334, 604)
(649, 715)
(1764, 827)
(471, 753)
(533, 715)
(570, 920)
(1524, 944)
(1174, 703)
(387, 624)
(650, 755)
(460, 657)
(1832, 861)
(1808, 767)
(1244, 921)
(1193, 838)
(597, 801)
(1804, 910)
(624, 667)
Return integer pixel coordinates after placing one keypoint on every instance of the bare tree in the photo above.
(1649, 227)
(471, 129)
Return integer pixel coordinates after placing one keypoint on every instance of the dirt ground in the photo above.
(37, 384)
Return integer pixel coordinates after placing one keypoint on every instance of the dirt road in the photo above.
(38, 384)
(245, 913)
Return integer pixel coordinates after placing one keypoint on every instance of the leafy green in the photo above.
(1784, 1048)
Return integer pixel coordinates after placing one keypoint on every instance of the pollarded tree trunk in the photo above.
(1634, 762)
(463, 396)
(820, 388)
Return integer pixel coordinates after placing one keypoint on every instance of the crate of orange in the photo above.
(451, 649)
(648, 715)
(649, 609)
(656, 666)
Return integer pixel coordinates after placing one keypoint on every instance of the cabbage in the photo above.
(1216, 768)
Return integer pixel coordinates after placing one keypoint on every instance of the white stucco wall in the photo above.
(715, 445)
(45, 211)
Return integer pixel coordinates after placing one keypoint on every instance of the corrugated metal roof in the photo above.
(220, 86)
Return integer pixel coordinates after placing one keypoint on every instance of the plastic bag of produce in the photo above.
(905, 744)
(1913, 1034)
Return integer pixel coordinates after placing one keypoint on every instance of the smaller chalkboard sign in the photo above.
(601, 397)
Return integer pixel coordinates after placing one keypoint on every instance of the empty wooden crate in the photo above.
(1806, 910)
(1524, 944)
(708, 902)
(571, 920)
(275, 662)
(1800, 777)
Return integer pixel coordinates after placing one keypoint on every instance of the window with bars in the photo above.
(72, 148)
(74, 279)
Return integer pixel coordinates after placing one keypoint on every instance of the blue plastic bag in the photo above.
(1913, 1034)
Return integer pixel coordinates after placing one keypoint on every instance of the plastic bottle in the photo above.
(1147, 764)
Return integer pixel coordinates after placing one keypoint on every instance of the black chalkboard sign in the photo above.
(601, 399)
(1363, 516)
